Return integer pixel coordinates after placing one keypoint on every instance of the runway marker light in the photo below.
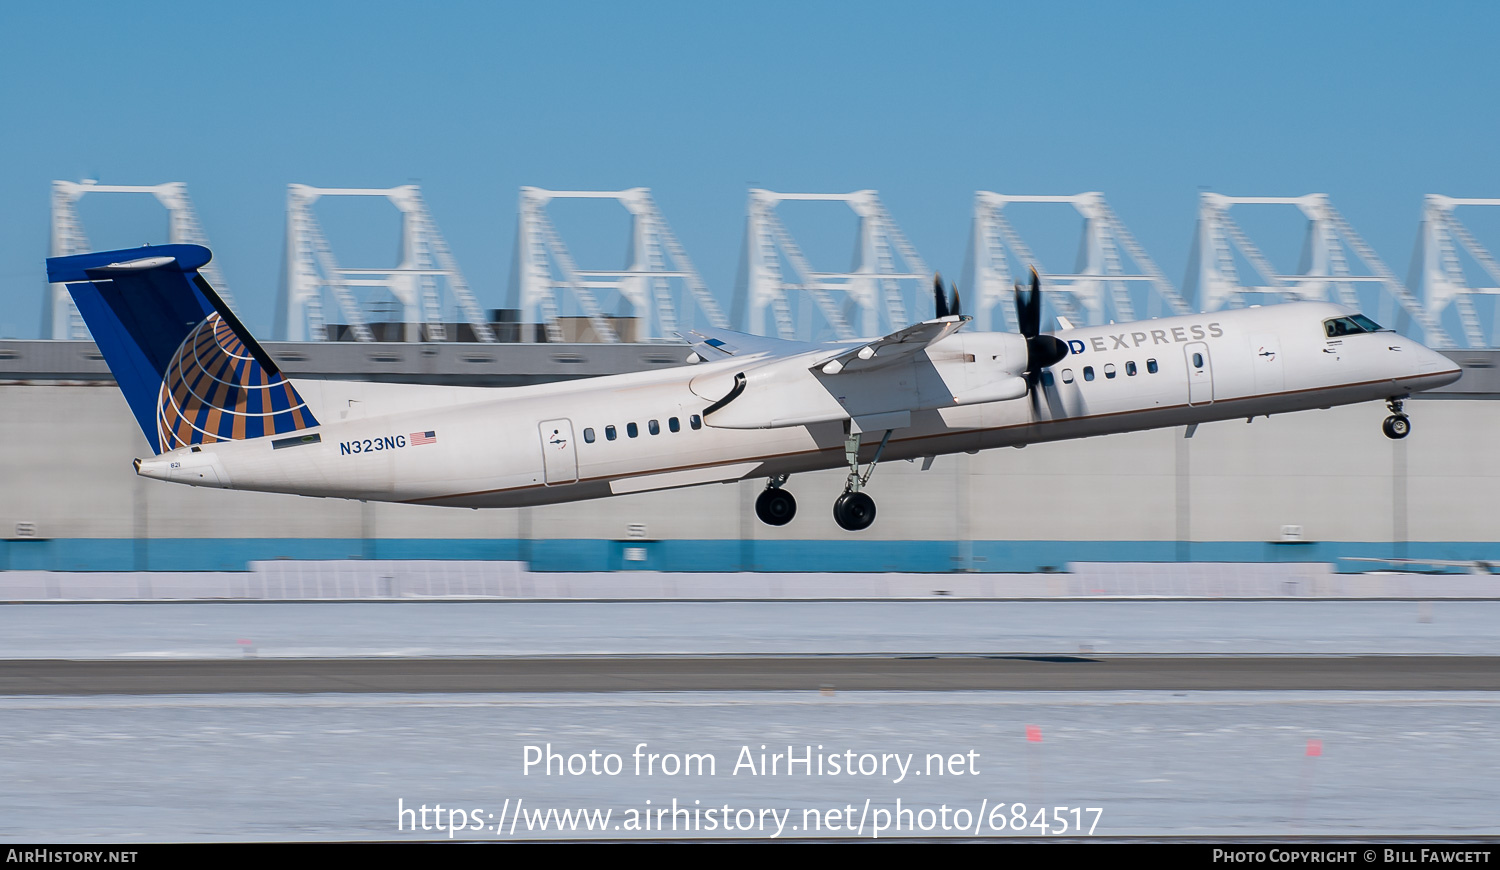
(1033, 734)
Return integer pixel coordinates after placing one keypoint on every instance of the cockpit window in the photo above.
(1351, 325)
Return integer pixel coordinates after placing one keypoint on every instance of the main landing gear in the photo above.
(775, 506)
(1398, 425)
(854, 511)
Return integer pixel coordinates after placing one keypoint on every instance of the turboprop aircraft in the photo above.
(217, 411)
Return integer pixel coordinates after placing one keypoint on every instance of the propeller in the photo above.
(943, 306)
(1041, 350)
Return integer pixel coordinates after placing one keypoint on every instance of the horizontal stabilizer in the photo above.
(713, 344)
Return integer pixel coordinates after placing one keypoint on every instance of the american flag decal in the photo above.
(429, 437)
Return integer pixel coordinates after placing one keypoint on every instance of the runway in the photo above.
(752, 674)
(212, 721)
(278, 767)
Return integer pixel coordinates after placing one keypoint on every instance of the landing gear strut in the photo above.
(775, 506)
(854, 510)
(1398, 425)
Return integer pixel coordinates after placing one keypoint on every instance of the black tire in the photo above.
(1396, 426)
(854, 511)
(775, 507)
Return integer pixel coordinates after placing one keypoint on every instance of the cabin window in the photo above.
(1109, 370)
(1088, 373)
(588, 436)
(609, 433)
(1130, 369)
(695, 421)
(1151, 366)
(653, 427)
(673, 425)
(1067, 376)
(1197, 360)
(1046, 378)
(632, 430)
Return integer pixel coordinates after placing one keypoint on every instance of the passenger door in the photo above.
(559, 454)
(1200, 374)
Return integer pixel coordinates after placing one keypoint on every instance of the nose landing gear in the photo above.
(1398, 425)
(775, 506)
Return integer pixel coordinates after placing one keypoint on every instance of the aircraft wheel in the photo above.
(1396, 426)
(854, 511)
(775, 507)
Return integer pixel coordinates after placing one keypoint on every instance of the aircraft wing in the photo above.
(893, 348)
(784, 383)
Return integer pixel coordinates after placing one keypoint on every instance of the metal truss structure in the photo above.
(60, 319)
(652, 283)
(886, 267)
(1325, 269)
(779, 293)
(1439, 272)
(1097, 290)
(417, 281)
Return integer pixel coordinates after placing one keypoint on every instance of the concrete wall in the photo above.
(391, 580)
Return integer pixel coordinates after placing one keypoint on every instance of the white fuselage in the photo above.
(505, 447)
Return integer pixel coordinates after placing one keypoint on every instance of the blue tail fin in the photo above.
(189, 369)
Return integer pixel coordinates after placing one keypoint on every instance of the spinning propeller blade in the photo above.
(944, 306)
(1041, 350)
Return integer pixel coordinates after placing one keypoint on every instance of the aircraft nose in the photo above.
(1440, 369)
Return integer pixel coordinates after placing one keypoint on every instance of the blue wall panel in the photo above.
(853, 555)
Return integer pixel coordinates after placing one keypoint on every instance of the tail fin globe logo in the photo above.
(189, 369)
(214, 390)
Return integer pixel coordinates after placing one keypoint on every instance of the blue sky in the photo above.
(1373, 103)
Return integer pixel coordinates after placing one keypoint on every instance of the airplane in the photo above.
(217, 411)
